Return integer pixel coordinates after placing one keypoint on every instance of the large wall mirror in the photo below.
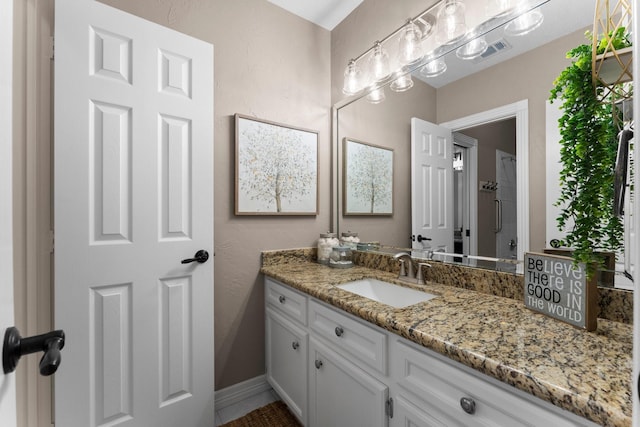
(495, 108)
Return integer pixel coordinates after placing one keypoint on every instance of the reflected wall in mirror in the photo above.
(491, 83)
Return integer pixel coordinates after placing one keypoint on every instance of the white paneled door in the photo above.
(133, 197)
(431, 186)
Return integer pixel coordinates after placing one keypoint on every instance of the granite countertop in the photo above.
(587, 373)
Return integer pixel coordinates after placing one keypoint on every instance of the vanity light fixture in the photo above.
(352, 79)
(376, 96)
(410, 46)
(451, 22)
(402, 82)
(379, 63)
(524, 23)
(434, 68)
(473, 49)
(417, 48)
(498, 8)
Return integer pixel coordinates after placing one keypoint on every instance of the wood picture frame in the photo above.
(367, 179)
(276, 168)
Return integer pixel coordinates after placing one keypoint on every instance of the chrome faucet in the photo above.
(406, 265)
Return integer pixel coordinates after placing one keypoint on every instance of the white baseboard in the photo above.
(238, 392)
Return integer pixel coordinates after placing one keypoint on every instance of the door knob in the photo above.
(15, 347)
(201, 256)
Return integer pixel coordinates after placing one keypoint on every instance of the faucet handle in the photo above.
(419, 274)
(403, 272)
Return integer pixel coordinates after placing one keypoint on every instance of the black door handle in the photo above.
(201, 256)
(420, 238)
(15, 347)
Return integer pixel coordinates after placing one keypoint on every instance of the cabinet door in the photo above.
(341, 394)
(286, 354)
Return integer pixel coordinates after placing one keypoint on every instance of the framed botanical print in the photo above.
(276, 168)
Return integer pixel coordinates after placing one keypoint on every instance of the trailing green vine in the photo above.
(588, 152)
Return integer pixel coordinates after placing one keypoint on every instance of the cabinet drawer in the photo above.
(438, 388)
(354, 339)
(286, 300)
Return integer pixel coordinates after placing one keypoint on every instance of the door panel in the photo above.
(133, 197)
(432, 186)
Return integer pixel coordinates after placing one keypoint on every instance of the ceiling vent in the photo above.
(494, 48)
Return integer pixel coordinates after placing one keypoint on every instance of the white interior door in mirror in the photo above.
(431, 186)
(133, 198)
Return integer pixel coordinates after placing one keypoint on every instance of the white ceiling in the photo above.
(561, 17)
(326, 13)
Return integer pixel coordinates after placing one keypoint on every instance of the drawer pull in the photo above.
(318, 364)
(468, 405)
(282, 299)
(339, 331)
(295, 345)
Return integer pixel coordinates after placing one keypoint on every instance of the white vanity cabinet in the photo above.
(287, 346)
(334, 369)
(342, 394)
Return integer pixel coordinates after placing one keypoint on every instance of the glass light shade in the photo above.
(524, 24)
(402, 83)
(376, 96)
(434, 68)
(473, 49)
(352, 79)
(410, 48)
(379, 63)
(451, 22)
(498, 8)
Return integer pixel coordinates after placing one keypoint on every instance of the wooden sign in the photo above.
(554, 286)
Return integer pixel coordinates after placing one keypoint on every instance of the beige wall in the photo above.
(272, 65)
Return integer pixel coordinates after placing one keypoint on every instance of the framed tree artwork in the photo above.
(276, 168)
(368, 179)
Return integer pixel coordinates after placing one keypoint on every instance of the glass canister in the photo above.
(341, 257)
(326, 243)
(349, 239)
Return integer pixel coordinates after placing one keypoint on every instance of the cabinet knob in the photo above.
(339, 331)
(318, 364)
(295, 345)
(468, 405)
(282, 299)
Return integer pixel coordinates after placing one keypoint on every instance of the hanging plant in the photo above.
(588, 152)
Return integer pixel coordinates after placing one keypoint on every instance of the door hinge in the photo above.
(51, 48)
(388, 409)
(51, 241)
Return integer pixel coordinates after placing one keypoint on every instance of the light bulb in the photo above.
(473, 49)
(410, 49)
(379, 63)
(451, 22)
(376, 96)
(524, 24)
(434, 68)
(402, 83)
(498, 8)
(352, 79)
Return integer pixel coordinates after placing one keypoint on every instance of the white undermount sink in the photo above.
(387, 293)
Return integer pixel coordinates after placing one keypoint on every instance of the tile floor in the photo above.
(237, 410)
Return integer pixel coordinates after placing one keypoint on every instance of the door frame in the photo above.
(8, 408)
(471, 144)
(520, 111)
